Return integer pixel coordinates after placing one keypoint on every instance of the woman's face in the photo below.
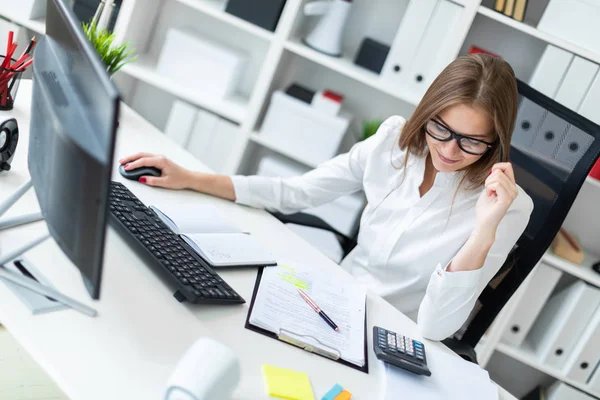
(467, 121)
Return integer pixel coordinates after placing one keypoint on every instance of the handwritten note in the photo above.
(280, 309)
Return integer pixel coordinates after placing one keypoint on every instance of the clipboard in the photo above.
(293, 339)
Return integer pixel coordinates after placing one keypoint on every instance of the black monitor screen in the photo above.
(74, 115)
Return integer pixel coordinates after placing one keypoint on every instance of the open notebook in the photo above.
(214, 237)
(279, 311)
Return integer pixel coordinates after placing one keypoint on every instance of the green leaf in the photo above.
(113, 56)
(370, 127)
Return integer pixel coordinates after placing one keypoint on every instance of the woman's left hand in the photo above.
(499, 193)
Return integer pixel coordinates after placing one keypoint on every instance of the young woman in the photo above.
(442, 212)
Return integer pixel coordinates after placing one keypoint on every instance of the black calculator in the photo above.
(400, 351)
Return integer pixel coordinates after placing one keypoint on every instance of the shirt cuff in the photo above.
(241, 187)
(465, 279)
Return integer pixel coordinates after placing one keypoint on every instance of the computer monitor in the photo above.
(74, 114)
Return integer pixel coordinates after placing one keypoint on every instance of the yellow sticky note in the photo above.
(286, 384)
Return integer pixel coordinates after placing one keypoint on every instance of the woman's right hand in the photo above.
(173, 176)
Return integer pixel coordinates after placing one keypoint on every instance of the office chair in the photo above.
(553, 150)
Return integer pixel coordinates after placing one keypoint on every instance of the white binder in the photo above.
(431, 56)
(562, 321)
(562, 391)
(550, 70)
(228, 144)
(586, 353)
(181, 122)
(215, 142)
(591, 103)
(406, 42)
(202, 136)
(576, 83)
(538, 286)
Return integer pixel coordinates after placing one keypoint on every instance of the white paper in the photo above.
(229, 249)
(452, 378)
(279, 308)
(195, 218)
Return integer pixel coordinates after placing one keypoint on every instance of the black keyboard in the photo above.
(165, 252)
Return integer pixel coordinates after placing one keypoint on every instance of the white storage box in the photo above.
(296, 127)
(26, 9)
(200, 64)
(341, 213)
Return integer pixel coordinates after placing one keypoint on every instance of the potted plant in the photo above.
(112, 55)
(370, 126)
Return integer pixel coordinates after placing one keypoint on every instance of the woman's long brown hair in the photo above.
(481, 81)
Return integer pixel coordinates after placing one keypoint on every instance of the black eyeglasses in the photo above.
(469, 145)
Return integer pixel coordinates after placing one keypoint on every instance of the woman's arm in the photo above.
(176, 177)
(339, 176)
(453, 290)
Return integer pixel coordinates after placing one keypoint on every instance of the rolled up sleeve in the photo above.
(339, 176)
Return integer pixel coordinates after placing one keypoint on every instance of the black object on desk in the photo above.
(400, 351)
(596, 267)
(136, 174)
(165, 252)
(264, 13)
(372, 55)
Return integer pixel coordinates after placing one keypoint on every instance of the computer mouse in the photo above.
(135, 174)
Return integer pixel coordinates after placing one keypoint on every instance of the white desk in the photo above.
(129, 350)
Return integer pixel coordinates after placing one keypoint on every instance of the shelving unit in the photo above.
(583, 271)
(526, 355)
(35, 25)
(346, 67)
(279, 58)
(216, 9)
(144, 69)
(532, 31)
(258, 139)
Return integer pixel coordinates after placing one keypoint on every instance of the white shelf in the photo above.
(144, 68)
(546, 37)
(345, 66)
(525, 354)
(582, 271)
(216, 9)
(258, 139)
(36, 25)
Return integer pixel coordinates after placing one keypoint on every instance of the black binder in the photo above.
(248, 325)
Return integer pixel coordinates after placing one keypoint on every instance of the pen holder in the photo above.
(9, 84)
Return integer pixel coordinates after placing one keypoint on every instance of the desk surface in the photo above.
(129, 350)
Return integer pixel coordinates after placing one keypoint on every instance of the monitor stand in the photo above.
(20, 279)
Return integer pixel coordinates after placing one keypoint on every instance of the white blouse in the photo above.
(405, 240)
